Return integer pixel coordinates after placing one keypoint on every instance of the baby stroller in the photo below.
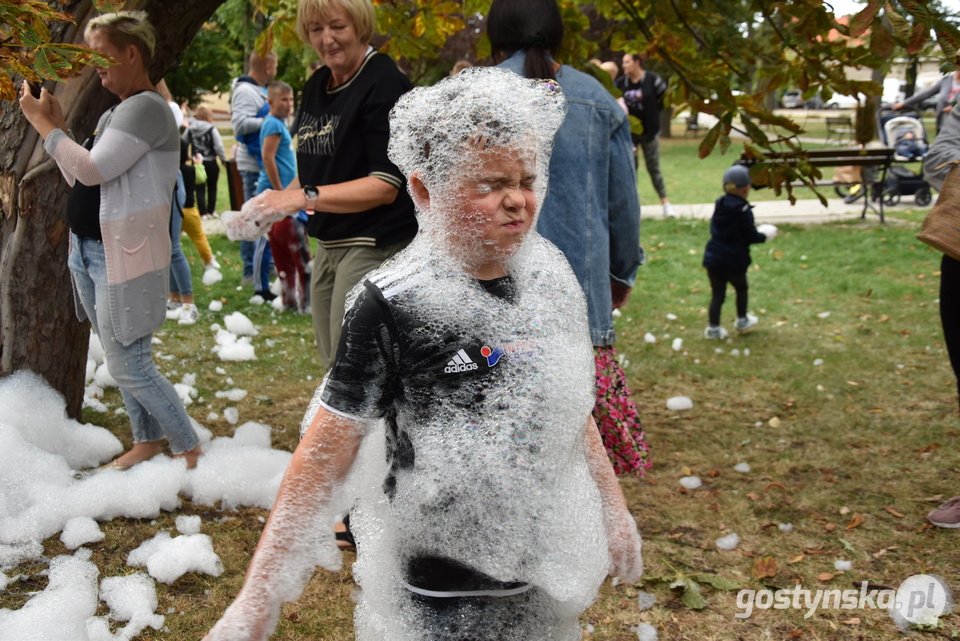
(905, 133)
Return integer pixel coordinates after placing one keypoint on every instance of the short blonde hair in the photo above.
(361, 12)
(125, 28)
(203, 113)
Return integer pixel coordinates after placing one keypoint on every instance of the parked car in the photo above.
(792, 99)
(840, 101)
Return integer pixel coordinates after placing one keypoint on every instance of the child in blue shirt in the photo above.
(279, 170)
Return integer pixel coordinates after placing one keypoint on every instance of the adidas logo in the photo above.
(460, 363)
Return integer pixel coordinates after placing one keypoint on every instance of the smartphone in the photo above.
(34, 88)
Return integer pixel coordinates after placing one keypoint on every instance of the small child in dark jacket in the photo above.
(727, 255)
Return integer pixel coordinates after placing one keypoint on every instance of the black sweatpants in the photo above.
(718, 285)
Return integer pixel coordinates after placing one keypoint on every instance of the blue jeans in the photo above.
(153, 405)
(181, 281)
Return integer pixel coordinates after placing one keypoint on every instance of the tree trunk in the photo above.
(39, 329)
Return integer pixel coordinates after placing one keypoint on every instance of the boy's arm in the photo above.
(298, 532)
(218, 146)
(268, 150)
(623, 538)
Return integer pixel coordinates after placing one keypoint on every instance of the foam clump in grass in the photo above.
(728, 542)
(80, 530)
(677, 344)
(215, 306)
(188, 524)
(132, 598)
(167, 559)
(817, 362)
(231, 415)
(842, 566)
(786, 527)
(649, 338)
(234, 394)
(690, 482)
(239, 324)
(212, 277)
(231, 347)
(823, 315)
(679, 403)
(646, 632)
(743, 468)
(646, 601)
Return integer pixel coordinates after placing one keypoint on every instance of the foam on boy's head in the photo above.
(435, 130)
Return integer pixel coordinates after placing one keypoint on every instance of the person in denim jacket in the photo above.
(592, 212)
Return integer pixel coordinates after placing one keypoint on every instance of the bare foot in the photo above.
(139, 453)
(190, 456)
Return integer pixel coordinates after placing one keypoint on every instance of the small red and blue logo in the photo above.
(492, 355)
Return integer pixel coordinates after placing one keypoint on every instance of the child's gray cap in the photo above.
(738, 175)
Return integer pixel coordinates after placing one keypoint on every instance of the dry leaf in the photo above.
(844, 510)
(853, 621)
(686, 471)
(769, 485)
(774, 422)
(713, 473)
(796, 559)
(830, 527)
(853, 383)
(893, 511)
(827, 576)
(753, 496)
(766, 567)
(856, 520)
(929, 448)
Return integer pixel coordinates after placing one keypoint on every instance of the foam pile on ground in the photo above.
(43, 494)
(240, 325)
(728, 542)
(167, 559)
(743, 468)
(646, 632)
(690, 482)
(679, 403)
(230, 347)
(234, 394)
(212, 277)
(842, 566)
(215, 306)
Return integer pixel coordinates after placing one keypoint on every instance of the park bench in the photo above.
(693, 125)
(840, 126)
(876, 157)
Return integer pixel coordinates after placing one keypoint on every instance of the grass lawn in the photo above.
(842, 402)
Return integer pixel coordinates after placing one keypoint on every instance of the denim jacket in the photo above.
(592, 211)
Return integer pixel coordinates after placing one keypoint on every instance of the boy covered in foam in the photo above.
(484, 506)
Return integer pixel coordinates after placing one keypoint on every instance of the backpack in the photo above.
(204, 144)
(252, 140)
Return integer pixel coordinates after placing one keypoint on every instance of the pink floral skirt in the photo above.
(617, 418)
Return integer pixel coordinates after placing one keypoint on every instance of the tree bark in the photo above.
(39, 329)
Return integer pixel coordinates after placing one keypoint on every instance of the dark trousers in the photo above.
(950, 310)
(718, 285)
(207, 192)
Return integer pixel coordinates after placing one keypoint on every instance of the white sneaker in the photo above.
(173, 310)
(213, 264)
(189, 314)
(717, 332)
(669, 211)
(747, 323)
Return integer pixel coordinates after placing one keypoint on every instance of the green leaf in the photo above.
(691, 597)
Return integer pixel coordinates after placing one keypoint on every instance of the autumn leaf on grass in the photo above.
(765, 568)
(827, 576)
(717, 582)
(856, 520)
(893, 511)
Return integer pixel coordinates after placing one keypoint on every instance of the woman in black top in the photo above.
(362, 213)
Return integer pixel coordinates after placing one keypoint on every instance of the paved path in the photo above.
(780, 211)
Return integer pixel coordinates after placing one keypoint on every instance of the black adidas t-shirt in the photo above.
(386, 356)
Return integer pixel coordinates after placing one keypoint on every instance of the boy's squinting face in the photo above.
(496, 203)
(281, 104)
